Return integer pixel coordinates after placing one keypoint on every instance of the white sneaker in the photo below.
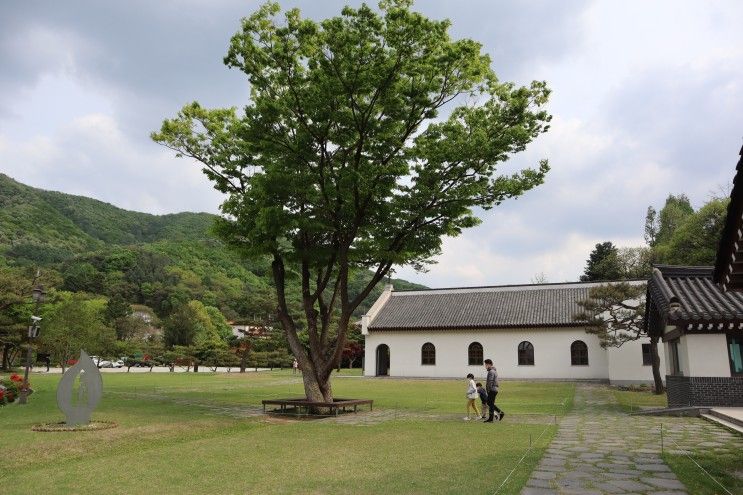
(466, 418)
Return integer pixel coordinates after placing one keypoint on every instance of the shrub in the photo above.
(9, 389)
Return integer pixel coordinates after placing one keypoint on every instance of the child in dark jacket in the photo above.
(483, 398)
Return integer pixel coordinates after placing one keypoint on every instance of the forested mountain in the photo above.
(46, 226)
(162, 261)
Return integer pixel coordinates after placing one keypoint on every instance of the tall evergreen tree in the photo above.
(615, 313)
(602, 263)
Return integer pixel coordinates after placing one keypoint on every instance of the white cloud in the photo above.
(92, 157)
(646, 102)
(479, 261)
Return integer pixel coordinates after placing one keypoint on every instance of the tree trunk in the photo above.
(315, 390)
(243, 362)
(321, 355)
(657, 378)
(12, 355)
(6, 351)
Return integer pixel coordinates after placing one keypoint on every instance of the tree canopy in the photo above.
(343, 160)
(72, 323)
(695, 238)
(659, 227)
(602, 263)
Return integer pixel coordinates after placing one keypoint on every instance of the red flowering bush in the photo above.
(9, 389)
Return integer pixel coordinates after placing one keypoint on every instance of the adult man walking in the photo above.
(491, 385)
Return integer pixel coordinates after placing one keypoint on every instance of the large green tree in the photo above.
(659, 227)
(194, 324)
(76, 322)
(343, 158)
(602, 263)
(16, 306)
(695, 239)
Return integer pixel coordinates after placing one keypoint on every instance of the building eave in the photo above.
(729, 263)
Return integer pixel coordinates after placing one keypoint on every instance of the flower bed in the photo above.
(10, 388)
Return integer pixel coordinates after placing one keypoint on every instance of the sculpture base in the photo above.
(62, 426)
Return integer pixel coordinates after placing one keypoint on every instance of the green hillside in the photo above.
(45, 226)
(161, 261)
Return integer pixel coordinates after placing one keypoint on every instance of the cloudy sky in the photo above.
(647, 100)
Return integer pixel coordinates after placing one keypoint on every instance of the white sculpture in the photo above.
(78, 405)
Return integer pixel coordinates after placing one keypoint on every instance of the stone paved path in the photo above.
(601, 450)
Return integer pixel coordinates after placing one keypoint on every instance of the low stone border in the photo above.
(62, 426)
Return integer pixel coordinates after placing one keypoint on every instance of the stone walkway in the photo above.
(601, 450)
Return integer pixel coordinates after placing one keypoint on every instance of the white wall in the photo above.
(551, 353)
(625, 363)
(706, 355)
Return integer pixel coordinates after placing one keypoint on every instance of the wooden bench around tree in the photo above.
(333, 407)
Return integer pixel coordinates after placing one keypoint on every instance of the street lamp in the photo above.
(38, 295)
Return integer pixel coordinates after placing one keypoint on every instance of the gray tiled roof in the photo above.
(688, 296)
(545, 305)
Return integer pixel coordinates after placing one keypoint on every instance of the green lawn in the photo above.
(634, 400)
(163, 447)
(725, 467)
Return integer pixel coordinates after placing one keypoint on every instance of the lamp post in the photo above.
(33, 332)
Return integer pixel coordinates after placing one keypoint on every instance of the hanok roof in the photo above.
(686, 296)
(729, 265)
(519, 306)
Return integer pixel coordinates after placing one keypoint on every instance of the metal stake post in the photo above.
(23, 396)
(33, 330)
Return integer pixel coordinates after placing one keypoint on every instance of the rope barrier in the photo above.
(683, 451)
(531, 447)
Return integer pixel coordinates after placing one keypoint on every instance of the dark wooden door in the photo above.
(383, 360)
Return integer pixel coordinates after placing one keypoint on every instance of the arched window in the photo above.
(474, 354)
(579, 353)
(526, 354)
(428, 354)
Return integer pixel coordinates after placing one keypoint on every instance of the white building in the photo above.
(702, 330)
(527, 330)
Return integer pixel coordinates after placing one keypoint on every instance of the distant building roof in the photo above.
(508, 306)
(686, 296)
(729, 265)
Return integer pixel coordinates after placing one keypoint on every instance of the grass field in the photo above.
(725, 467)
(634, 400)
(177, 434)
